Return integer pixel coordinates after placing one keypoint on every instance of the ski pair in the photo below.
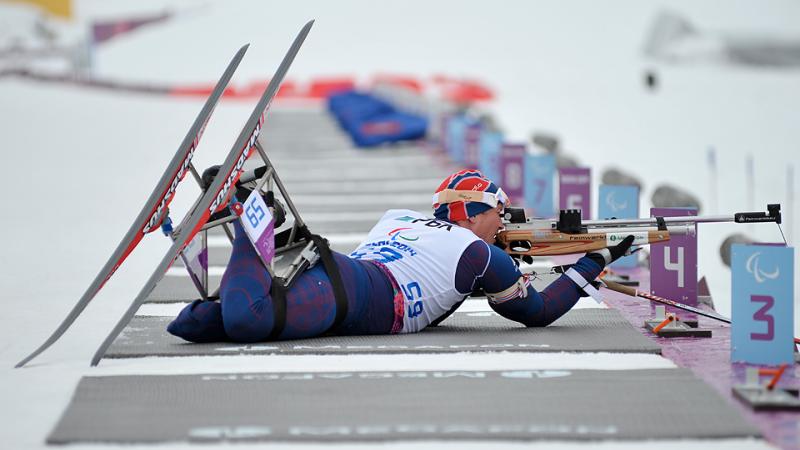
(213, 199)
(218, 193)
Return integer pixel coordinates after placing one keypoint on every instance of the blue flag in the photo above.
(456, 137)
(490, 145)
(540, 172)
(621, 202)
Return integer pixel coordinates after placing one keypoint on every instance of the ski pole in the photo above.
(637, 293)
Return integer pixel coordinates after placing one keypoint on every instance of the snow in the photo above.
(79, 163)
(347, 363)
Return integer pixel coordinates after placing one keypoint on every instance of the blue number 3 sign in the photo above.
(763, 307)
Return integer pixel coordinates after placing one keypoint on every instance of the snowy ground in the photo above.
(79, 163)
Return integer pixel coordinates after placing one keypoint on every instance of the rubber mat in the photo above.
(173, 289)
(580, 330)
(575, 405)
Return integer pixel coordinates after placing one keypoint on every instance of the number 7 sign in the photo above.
(540, 172)
(762, 310)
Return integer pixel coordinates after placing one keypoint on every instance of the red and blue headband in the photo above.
(465, 194)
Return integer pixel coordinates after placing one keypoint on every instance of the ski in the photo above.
(217, 194)
(654, 298)
(150, 216)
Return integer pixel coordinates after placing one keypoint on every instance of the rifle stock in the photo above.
(549, 243)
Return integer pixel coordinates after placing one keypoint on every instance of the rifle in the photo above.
(569, 234)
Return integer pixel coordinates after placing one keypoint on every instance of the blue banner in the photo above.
(762, 310)
(540, 172)
(456, 137)
(621, 202)
(490, 145)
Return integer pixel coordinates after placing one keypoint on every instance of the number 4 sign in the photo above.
(762, 309)
(673, 265)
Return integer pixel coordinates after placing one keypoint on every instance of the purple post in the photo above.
(512, 169)
(575, 190)
(673, 265)
(444, 120)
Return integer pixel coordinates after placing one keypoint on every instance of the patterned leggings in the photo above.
(245, 311)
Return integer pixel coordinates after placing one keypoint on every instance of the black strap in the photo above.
(337, 284)
(662, 224)
(278, 294)
(279, 287)
(561, 269)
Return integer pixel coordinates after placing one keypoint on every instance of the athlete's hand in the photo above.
(608, 255)
(208, 176)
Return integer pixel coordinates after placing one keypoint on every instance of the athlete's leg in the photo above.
(247, 306)
(200, 321)
(370, 298)
(311, 304)
(245, 312)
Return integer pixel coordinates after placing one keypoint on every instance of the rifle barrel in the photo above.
(773, 215)
(675, 230)
(652, 221)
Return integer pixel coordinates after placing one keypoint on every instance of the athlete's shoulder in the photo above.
(488, 256)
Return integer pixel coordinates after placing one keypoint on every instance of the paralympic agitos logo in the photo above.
(396, 233)
(759, 274)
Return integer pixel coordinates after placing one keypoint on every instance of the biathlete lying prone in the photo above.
(411, 272)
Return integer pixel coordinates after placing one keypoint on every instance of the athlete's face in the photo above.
(486, 224)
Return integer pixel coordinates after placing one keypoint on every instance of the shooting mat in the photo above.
(384, 406)
(580, 330)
